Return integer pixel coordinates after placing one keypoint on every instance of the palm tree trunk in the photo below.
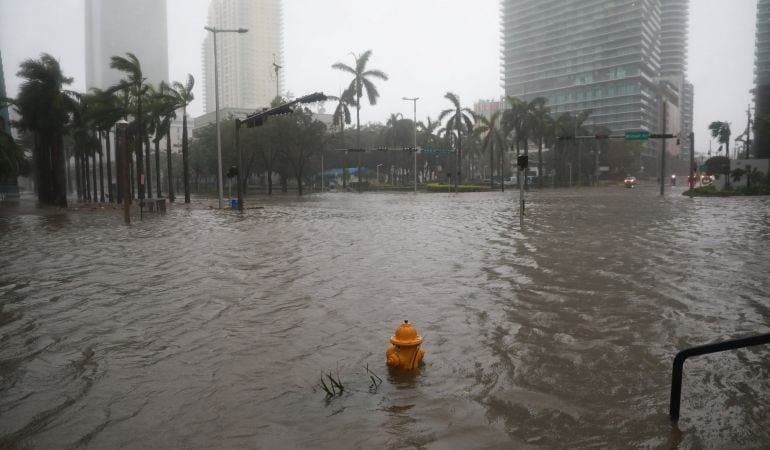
(148, 166)
(727, 154)
(138, 172)
(110, 193)
(502, 169)
(540, 163)
(69, 176)
(458, 165)
(168, 167)
(580, 165)
(492, 165)
(358, 120)
(524, 172)
(299, 182)
(139, 142)
(78, 180)
(185, 163)
(83, 175)
(132, 184)
(101, 173)
(87, 175)
(59, 177)
(157, 169)
(93, 172)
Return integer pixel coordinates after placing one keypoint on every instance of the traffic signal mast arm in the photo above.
(616, 136)
(258, 118)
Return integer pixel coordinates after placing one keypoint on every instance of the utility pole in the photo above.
(663, 150)
(691, 137)
(414, 100)
(214, 32)
(748, 130)
(239, 180)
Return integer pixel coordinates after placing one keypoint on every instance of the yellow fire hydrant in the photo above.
(405, 351)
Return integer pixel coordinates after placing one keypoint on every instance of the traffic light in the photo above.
(522, 161)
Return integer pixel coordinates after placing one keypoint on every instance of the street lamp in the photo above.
(414, 100)
(214, 32)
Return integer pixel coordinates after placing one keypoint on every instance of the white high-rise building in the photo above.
(115, 27)
(247, 76)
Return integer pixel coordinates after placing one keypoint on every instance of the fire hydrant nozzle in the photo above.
(404, 351)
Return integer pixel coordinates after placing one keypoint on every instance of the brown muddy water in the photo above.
(206, 328)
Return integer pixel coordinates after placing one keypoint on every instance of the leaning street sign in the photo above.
(637, 135)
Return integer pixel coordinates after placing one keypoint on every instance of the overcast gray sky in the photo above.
(427, 47)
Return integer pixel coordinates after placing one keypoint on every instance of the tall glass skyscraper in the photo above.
(114, 27)
(762, 80)
(5, 121)
(247, 77)
(607, 56)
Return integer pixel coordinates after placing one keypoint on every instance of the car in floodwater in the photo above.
(629, 182)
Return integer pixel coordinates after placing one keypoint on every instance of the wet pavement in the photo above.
(204, 328)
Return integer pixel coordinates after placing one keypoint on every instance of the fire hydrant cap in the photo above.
(406, 335)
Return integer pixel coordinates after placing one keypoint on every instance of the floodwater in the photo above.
(205, 328)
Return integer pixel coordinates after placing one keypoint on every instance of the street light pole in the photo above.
(414, 100)
(214, 32)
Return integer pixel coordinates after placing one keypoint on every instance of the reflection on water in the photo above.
(205, 328)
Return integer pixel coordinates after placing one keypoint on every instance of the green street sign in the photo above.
(436, 151)
(637, 135)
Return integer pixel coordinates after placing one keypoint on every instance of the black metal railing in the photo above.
(676, 374)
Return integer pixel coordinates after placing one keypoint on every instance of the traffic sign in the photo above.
(436, 151)
(637, 135)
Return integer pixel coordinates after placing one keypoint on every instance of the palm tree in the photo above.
(156, 109)
(427, 138)
(492, 134)
(341, 117)
(106, 110)
(390, 132)
(721, 131)
(135, 88)
(341, 114)
(169, 114)
(81, 128)
(540, 128)
(12, 160)
(428, 131)
(44, 107)
(460, 119)
(515, 120)
(568, 125)
(361, 84)
(184, 95)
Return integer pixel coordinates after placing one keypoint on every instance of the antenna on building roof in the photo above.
(277, 68)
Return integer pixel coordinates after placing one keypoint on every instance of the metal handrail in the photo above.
(676, 374)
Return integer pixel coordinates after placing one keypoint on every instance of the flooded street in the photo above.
(204, 328)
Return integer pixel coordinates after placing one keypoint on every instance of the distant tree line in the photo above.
(71, 132)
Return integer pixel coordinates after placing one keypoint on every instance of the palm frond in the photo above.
(371, 91)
